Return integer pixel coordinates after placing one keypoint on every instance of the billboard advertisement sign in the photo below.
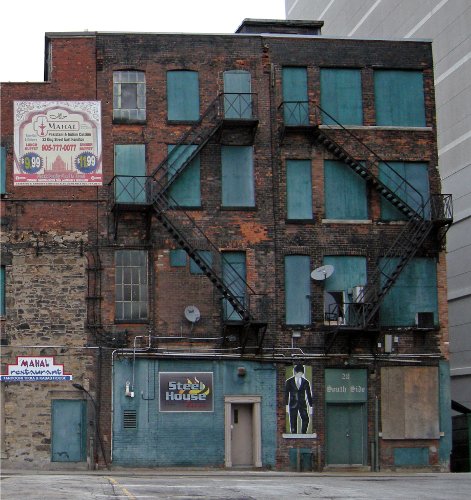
(186, 391)
(57, 143)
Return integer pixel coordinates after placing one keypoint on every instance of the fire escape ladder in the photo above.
(422, 216)
(188, 146)
(236, 294)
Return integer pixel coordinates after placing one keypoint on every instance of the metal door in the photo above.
(346, 434)
(242, 435)
(68, 430)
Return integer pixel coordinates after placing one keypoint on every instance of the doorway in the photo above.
(242, 435)
(346, 434)
(68, 430)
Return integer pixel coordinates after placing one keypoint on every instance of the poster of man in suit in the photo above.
(298, 399)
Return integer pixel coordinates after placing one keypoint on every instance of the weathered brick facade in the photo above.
(59, 243)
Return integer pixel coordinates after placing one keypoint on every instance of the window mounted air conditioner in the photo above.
(424, 321)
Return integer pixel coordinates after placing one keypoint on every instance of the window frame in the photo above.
(126, 78)
(143, 286)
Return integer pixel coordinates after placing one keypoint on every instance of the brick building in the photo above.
(191, 222)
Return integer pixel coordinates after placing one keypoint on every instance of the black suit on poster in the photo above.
(296, 399)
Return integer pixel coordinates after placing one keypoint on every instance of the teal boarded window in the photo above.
(3, 170)
(295, 97)
(206, 258)
(129, 96)
(234, 277)
(2, 290)
(237, 176)
(344, 191)
(183, 101)
(339, 289)
(414, 291)
(341, 96)
(414, 192)
(178, 257)
(399, 98)
(131, 285)
(130, 171)
(237, 95)
(297, 290)
(298, 189)
(185, 189)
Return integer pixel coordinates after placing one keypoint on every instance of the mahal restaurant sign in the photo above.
(35, 369)
(57, 143)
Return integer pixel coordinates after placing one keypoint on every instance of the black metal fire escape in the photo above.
(242, 307)
(422, 217)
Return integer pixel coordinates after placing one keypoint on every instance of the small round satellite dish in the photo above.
(322, 273)
(192, 314)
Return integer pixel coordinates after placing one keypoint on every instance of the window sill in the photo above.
(131, 321)
(243, 209)
(300, 221)
(376, 127)
(347, 221)
(183, 122)
(123, 121)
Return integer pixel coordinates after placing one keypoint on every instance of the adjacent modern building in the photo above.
(447, 23)
(224, 251)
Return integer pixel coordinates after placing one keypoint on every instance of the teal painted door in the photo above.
(237, 95)
(346, 434)
(68, 430)
(130, 171)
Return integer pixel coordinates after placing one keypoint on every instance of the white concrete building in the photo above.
(448, 24)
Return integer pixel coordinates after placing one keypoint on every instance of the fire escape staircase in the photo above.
(244, 311)
(422, 217)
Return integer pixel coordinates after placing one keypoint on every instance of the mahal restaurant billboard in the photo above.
(57, 143)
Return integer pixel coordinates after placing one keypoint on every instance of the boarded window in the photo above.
(185, 188)
(409, 402)
(399, 98)
(341, 96)
(297, 290)
(183, 102)
(409, 180)
(130, 171)
(339, 289)
(234, 277)
(414, 291)
(178, 257)
(3, 170)
(237, 95)
(129, 96)
(344, 191)
(295, 98)
(298, 189)
(131, 285)
(237, 176)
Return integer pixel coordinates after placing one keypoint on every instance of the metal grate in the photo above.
(130, 419)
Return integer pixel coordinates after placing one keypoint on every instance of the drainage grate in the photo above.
(130, 419)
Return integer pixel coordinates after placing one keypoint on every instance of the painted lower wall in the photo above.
(186, 438)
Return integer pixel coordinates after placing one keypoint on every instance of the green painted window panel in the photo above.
(297, 290)
(295, 96)
(414, 291)
(234, 277)
(399, 98)
(2, 291)
(349, 271)
(178, 257)
(341, 96)
(185, 190)
(183, 101)
(3, 169)
(411, 456)
(298, 189)
(344, 191)
(237, 94)
(130, 167)
(237, 176)
(416, 175)
(206, 256)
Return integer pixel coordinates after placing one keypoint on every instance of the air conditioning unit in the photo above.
(424, 321)
(357, 293)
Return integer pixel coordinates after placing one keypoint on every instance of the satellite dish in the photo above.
(322, 273)
(192, 314)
